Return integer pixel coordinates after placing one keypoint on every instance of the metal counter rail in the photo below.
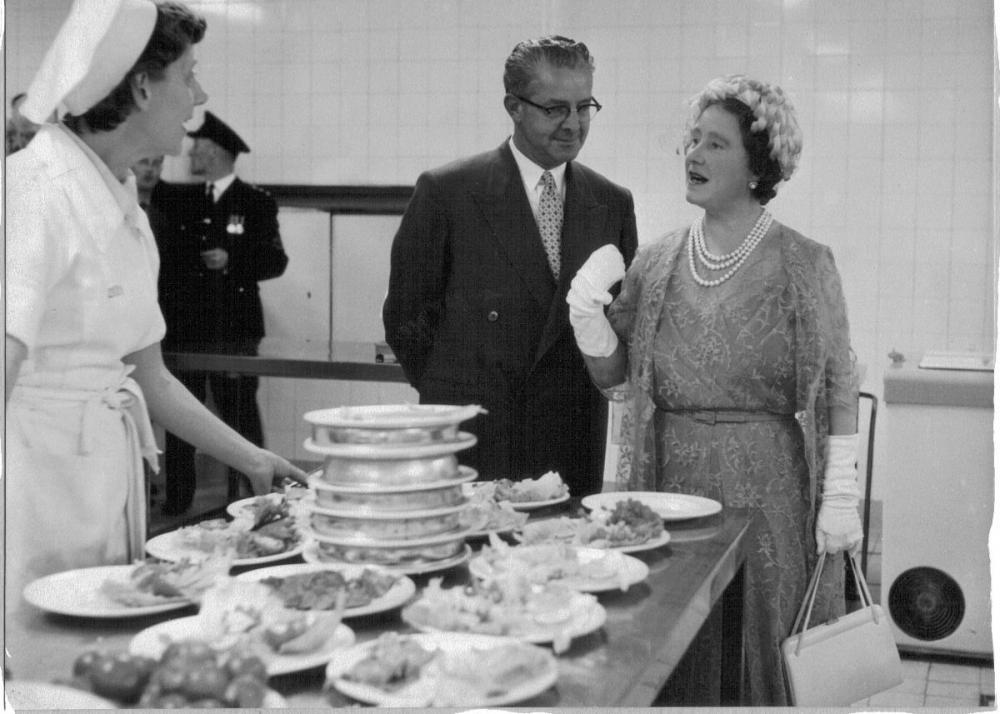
(341, 360)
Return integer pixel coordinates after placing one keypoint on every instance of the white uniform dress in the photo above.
(81, 294)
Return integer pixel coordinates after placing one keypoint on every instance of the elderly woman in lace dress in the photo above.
(729, 344)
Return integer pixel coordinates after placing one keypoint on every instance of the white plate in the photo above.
(78, 592)
(392, 416)
(385, 452)
(399, 593)
(626, 570)
(469, 489)
(670, 506)
(420, 692)
(660, 540)
(152, 641)
(167, 547)
(311, 555)
(42, 695)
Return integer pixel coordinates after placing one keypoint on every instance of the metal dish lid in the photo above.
(393, 416)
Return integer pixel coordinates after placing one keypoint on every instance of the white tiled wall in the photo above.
(895, 99)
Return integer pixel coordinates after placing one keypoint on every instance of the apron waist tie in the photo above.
(126, 397)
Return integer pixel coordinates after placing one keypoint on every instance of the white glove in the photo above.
(604, 267)
(587, 296)
(838, 525)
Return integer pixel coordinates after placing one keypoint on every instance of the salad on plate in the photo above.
(509, 606)
(628, 523)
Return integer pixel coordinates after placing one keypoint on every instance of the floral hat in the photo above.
(774, 111)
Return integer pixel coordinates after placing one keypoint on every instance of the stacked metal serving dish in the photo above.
(390, 491)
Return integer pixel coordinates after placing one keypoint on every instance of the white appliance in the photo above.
(937, 509)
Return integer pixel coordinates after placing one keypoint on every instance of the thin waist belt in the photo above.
(728, 416)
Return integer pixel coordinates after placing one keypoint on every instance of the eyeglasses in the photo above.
(562, 111)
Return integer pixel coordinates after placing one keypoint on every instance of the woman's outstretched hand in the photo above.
(270, 468)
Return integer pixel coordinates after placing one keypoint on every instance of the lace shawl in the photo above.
(824, 363)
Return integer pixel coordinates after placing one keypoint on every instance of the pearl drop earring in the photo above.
(753, 185)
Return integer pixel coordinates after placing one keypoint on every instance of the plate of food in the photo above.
(582, 532)
(670, 506)
(510, 607)
(247, 616)
(484, 515)
(112, 591)
(315, 586)
(590, 570)
(442, 670)
(525, 495)
(279, 503)
(248, 542)
(188, 674)
(629, 526)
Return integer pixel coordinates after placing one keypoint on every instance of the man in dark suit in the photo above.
(476, 309)
(222, 240)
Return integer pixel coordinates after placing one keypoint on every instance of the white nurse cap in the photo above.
(97, 45)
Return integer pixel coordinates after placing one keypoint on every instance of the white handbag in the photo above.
(842, 661)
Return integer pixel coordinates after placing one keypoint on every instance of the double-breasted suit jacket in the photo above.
(475, 316)
(219, 307)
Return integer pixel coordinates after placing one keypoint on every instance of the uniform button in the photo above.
(493, 316)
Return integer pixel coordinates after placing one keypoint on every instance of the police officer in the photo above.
(224, 240)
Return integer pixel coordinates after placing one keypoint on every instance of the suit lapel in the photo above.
(508, 213)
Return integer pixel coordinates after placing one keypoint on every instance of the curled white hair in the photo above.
(773, 111)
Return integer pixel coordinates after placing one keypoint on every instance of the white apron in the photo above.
(81, 295)
(56, 440)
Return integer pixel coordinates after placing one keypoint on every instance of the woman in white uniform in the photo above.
(84, 370)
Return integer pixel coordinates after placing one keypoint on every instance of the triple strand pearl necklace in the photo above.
(733, 261)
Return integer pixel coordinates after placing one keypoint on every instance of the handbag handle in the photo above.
(805, 611)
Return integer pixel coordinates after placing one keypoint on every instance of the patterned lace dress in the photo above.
(732, 347)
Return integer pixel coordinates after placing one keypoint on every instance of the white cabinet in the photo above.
(937, 509)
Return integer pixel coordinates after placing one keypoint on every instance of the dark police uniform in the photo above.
(217, 311)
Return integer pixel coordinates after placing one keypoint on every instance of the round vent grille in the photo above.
(926, 603)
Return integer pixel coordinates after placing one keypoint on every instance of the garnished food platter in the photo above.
(152, 642)
(442, 670)
(523, 495)
(85, 592)
(374, 589)
(629, 526)
(187, 543)
(589, 570)
(530, 613)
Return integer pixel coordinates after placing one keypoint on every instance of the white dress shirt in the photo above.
(531, 175)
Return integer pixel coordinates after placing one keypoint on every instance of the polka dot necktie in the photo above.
(550, 219)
